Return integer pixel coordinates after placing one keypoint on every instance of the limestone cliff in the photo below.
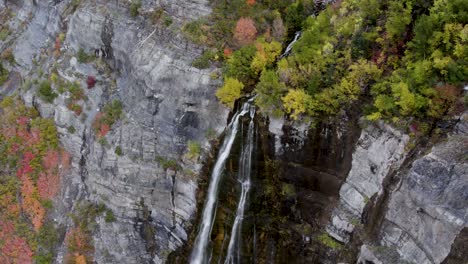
(166, 102)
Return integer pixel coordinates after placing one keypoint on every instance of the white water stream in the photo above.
(200, 251)
(245, 169)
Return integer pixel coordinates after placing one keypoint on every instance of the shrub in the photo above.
(326, 240)
(46, 93)
(91, 81)
(168, 163)
(4, 33)
(3, 74)
(82, 56)
(167, 21)
(194, 149)
(204, 60)
(118, 151)
(104, 120)
(8, 56)
(134, 6)
(71, 129)
(110, 217)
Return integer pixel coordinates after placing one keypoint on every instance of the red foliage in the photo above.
(227, 52)
(250, 2)
(14, 249)
(104, 129)
(91, 81)
(245, 31)
(48, 182)
(25, 165)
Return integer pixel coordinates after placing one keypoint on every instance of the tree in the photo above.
(296, 103)
(269, 92)
(238, 65)
(230, 92)
(245, 31)
(266, 54)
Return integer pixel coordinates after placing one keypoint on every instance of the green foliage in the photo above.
(168, 163)
(112, 112)
(269, 92)
(4, 33)
(45, 92)
(47, 240)
(3, 74)
(76, 92)
(193, 149)
(71, 129)
(110, 217)
(168, 21)
(204, 60)
(48, 134)
(196, 31)
(118, 151)
(134, 6)
(239, 65)
(83, 57)
(399, 17)
(230, 92)
(326, 240)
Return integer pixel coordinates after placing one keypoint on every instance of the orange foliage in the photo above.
(105, 128)
(250, 2)
(31, 205)
(227, 52)
(78, 244)
(245, 31)
(80, 259)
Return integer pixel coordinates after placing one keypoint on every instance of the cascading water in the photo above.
(245, 169)
(200, 251)
(290, 46)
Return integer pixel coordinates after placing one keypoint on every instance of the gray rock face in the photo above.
(166, 103)
(427, 209)
(379, 150)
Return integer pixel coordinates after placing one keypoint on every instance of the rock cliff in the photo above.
(166, 102)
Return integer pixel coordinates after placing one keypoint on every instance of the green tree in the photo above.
(238, 66)
(269, 92)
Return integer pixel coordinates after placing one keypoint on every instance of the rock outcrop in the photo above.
(379, 151)
(426, 209)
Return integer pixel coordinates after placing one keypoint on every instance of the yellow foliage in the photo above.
(230, 92)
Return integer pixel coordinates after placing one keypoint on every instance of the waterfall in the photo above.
(245, 169)
(199, 254)
(290, 46)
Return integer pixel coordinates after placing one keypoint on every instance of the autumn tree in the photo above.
(230, 92)
(245, 31)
